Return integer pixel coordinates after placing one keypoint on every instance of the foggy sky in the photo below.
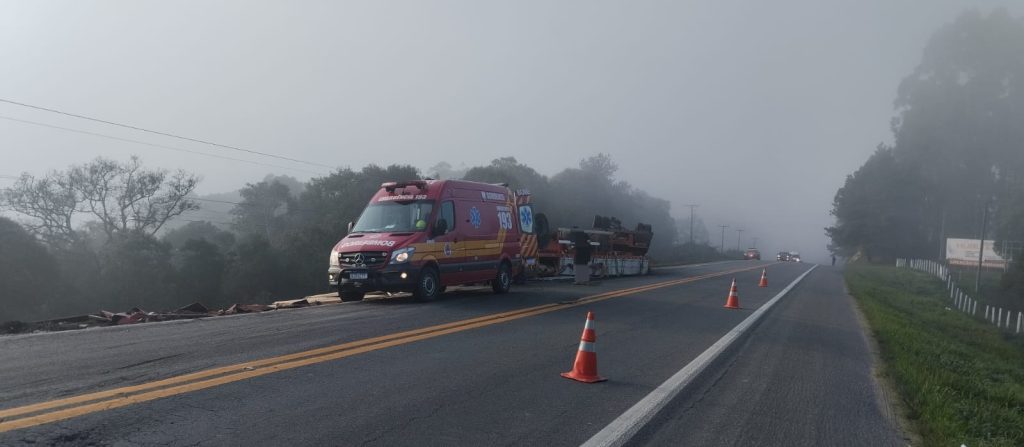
(754, 110)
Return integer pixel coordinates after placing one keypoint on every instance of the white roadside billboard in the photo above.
(964, 252)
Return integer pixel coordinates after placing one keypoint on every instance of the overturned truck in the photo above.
(615, 250)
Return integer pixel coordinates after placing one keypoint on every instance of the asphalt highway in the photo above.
(469, 369)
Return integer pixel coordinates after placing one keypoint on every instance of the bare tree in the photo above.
(50, 203)
(123, 197)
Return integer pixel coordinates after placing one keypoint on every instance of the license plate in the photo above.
(358, 275)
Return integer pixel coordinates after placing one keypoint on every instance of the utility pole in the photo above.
(739, 232)
(942, 236)
(981, 249)
(691, 221)
(723, 237)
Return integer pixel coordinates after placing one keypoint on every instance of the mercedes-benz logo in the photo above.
(358, 260)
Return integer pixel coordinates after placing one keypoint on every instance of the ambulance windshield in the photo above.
(392, 217)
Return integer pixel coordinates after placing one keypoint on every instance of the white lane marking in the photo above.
(619, 431)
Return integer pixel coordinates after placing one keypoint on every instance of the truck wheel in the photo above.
(503, 280)
(428, 287)
(350, 295)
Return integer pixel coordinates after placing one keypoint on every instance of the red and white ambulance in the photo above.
(421, 236)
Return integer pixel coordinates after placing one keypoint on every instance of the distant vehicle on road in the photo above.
(794, 256)
(782, 256)
(752, 253)
(421, 236)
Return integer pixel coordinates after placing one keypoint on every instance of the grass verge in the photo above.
(961, 379)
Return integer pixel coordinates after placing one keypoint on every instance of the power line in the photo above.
(208, 210)
(184, 220)
(195, 140)
(217, 201)
(128, 140)
(210, 221)
(228, 202)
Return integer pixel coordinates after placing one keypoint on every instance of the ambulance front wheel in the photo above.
(350, 295)
(428, 286)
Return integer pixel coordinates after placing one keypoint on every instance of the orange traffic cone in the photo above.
(585, 367)
(764, 278)
(733, 302)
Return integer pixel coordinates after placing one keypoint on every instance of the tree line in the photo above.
(958, 152)
(95, 236)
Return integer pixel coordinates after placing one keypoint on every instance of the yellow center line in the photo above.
(119, 397)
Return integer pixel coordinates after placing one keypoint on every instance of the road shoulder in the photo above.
(803, 376)
(889, 403)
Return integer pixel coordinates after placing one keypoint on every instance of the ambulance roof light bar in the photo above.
(392, 186)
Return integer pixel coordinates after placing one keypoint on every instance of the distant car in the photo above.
(752, 253)
(794, 256)
(783, 256)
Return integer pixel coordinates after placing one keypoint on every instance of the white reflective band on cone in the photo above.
(586, 346)
(589, 324)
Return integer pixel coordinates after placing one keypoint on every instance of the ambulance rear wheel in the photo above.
(503, 280)
(428, 287)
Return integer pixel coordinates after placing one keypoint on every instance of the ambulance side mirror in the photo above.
(441, 227)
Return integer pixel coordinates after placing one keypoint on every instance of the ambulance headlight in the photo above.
(402, 255)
